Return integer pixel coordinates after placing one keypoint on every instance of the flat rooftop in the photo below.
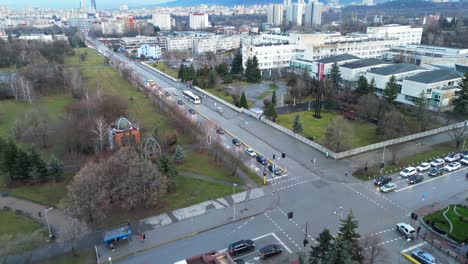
(341, 57)
(362, 63)
(434, 76)
(396, 69)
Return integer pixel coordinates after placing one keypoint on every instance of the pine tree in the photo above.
(191, 72)
(460, 100)
(329, 94)
(180, 74)
(179, 154)
(348, 234)
(243, 101)
(9, 161)
(22, 168)
(271, 112)
(55, 168)
(38, 166)
(335, 76)
(212, 79)
(236, 66)
(3, 148)
(167, 167)
(297, 126)
(362, 86)
(372, 87)
(273, 98)
(255, 74)
(318, 252)
(421, 111)
(390, 92)
(340, 253)
(248, 70)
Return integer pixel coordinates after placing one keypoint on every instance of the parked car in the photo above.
(453, 157)
(464, 154)
(464, 161)
(423, 257)
(382, 180)
(191, 111)
(239, 261)
(220, 131)
(415, 179)
(408, 172)
(261, 160)
(277, 170)
(423, 166)
(168, 93)
(270, 250)
(388, 187)
(437, 162)
(436, 172)
(175, 93)
(236, 142)
(406, 230)
(241, 246)
(250, 152)
(452, 166)
(179, 102)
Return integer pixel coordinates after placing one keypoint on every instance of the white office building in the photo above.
(149, 52)
(269, 56)
(294, 13)
(131, 45)
(313, 14)
(275, 14)
(203, 45)
(404, 34)
(162, 20)
(179, 43)
(198, 20)
(226, 43)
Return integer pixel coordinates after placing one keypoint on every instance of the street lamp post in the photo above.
(47, 220)
(234, 200)
(401, 248)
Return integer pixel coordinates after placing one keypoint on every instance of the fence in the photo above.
(295, 108)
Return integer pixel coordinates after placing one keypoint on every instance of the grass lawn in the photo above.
(460, 228)
(196, 162)
(13, 227)
(273, 87)
(237, 83)
(92, 59)
(221, 94)
(174, 72)
(84, 257)
(364, 133)
(252, 175)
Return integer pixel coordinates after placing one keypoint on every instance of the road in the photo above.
(318, 194)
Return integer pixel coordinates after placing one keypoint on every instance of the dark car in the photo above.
(220, 131)
(241, 246)
(261, 159)
(277, 170)
(381, 181)
(239, 261)
(191, 111)
(236, 142)
(464, 154)
(179, 102)
(415, 179)
(168, 93)
(270, 250)
(436, 172)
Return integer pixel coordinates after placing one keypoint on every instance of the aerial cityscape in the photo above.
(229, 132)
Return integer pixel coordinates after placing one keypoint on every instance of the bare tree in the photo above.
(374, 251)
(368, 104)
(392, 125)
(33, 128)
(338, 134)
(75, 82)
(459, 134)
(100, 130)
(25, 89)
(13, 84)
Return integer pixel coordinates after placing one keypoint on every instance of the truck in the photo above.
(211, 257)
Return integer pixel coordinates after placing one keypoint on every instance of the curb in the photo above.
(183, 237)
(408, 257)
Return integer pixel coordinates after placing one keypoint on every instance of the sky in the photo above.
(106, 4)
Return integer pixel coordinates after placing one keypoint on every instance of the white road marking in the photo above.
(358, 192)
(423, 182)
(282, 244)
(414, 247)
(263, 236)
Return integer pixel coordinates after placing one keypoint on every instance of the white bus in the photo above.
(191, 97)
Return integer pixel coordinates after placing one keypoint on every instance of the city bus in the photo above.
(191, 97)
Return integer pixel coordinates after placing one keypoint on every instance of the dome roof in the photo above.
(122, 123)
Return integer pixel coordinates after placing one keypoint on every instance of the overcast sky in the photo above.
(107, 4)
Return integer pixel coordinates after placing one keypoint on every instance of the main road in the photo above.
(319, 194)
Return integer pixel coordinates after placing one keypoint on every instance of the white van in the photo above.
(406, 230)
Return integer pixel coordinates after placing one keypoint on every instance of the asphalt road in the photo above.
(318, 194)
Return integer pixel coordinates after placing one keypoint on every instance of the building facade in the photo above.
(162, 20)
(198, 20)
(179, 43)
(269, 56)
(275, 14)
(149, 52)
(203, 45)
(313, 14)
(404, 34)
(131, 45)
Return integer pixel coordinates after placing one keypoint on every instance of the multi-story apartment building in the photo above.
(275, 14)
(269, 56)
(131, 45)
(79, 21)
(313, 14)
(226, 43)
(203, 45)
(404, 34)
(149, 52)
(162, 20)
(198, 20)
(179, 43)
(112, 27)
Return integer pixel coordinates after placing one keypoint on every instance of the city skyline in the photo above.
(106, 4)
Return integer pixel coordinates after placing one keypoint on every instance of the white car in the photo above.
(388, 187)
(423, 166)
(437, 162)
(250, 152)
(453, 157)
(464, 160)
(408, 172)
(406, 229)
(452, 166)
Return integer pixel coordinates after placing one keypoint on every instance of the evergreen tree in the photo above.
(180, 74)
(348, 234)
(271, 112)
(167, 167)
(10, 155)
(256, 74)
(335, 76)
(460, 100)
(55, 168)
(421, 111)
(38, 166)
(248, 70)
(273, 98)
(340, 253)
(372, 87)
(390, 92)
(329, 94)
(243, 101)
(212, 79)
(179, 154)
(318, 252)
(22, 167)
(292, 79)
(236, 66)
(3, 148)
(228, 78)
(362, 86)
(222, 69)
(297, 126)
(191, 72)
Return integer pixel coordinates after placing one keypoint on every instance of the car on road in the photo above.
(436, 172)
(220, 131)
(191, 111)
(277, 171)
(270, 251)
(382, 180)
(423, 257)
(241, 246)
(415, 179)
(408, 172)
(251, 152)
(452, 166)
(406, 230)
(464, 154)
(464, 161)
(179, 102)
(261, 160)
(388, 187)
(423, 166)
(236, 142)
(437, 162)
(453, 157)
